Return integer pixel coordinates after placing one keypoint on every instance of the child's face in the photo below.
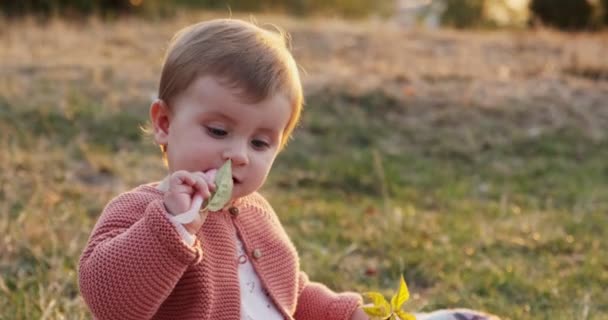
(210, 123)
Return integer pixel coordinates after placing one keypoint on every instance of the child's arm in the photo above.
(316, 301)
(133, 259)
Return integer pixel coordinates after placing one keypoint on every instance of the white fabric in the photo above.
(255, 301)
(186, 236)
(455, 314)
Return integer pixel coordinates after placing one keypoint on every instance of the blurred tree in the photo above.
(463, 13)
(72, 8)
(563, 14)
(605, 12)
(349, 8)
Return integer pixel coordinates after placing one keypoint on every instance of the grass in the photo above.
(485, 189)
(515, 229)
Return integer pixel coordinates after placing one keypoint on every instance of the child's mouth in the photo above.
(235, 180)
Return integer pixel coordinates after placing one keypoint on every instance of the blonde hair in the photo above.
(242, 54)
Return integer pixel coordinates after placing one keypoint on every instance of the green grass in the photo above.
(514, 226)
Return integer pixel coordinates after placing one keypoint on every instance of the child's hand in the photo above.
(183, 187)
(359, 314)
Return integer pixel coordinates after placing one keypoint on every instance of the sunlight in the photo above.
(517, 4)
(508, 12)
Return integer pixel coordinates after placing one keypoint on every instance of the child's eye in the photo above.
(216, 132)
(260, 144)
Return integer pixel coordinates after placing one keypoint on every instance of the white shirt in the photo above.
(255, 300)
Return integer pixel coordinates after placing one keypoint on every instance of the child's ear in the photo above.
(160, 116)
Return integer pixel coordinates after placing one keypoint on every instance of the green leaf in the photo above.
(223, 187)
(401, 297)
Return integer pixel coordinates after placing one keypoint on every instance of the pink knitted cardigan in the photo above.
(136, 266)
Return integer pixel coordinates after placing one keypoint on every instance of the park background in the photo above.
(461, 143)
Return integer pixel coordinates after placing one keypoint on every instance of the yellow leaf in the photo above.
(404, 315)
(380, 308)
(376, 311)
(377, 298)
(401, 297)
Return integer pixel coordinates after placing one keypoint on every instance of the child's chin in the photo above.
(236, 192)
(239, 192)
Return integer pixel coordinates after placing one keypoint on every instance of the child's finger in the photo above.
(182, 178)
(208, 180)
(182, 188)
(192, 213)
(180, 184)
(201, 186)
(210, 175)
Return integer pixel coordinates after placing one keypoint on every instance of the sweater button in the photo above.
(234, 211)
(257, 253)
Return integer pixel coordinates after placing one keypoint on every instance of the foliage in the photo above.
(564, 14)
(70, 8)
(604, 11)
(463, 13)
(108, 8)
(383, 310)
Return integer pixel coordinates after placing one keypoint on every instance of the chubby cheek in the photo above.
(263, 168)
(190, 157)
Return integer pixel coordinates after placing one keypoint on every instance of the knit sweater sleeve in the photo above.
(133, 259)
(317, 302)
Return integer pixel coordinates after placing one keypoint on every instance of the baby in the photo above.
(229, 90)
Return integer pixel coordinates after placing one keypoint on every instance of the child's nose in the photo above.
(237, 153)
